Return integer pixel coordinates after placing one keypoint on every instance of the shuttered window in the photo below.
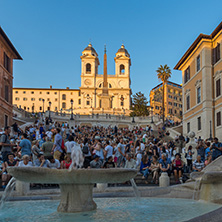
(216, 54)
(218, 118)
(187, 75)
(6, 93)
(7, 62)
(218, 88)
(188, 102)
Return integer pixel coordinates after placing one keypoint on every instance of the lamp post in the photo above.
(43, 104)
(210, 132)
(133, 121)
(71, 101)
(50, 103)
(152, 114)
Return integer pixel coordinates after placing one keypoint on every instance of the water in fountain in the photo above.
(135, 189)
(9, 188)
(76, 156)
(196, 189)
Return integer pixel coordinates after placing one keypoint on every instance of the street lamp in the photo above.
(133, 121)
(43, 104)
(152, 114)
(71, 101)
(50, 103)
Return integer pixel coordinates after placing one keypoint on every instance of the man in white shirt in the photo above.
(108, 150)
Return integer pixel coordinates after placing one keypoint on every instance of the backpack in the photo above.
(85, 149)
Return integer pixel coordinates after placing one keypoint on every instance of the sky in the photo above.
(50, 35)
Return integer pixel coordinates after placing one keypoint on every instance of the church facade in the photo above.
(98, 93)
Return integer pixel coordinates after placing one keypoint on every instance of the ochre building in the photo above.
(98, 93)
(201, 67)
(7, 54)
(172, 100)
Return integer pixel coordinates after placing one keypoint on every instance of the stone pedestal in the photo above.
(164, 180)
(76, 198)
(22, 188)
(193, 144)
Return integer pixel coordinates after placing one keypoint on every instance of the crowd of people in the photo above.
(49, 144)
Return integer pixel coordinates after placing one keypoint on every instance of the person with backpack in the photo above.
(5, 143)
(57, 147)
(216, 149)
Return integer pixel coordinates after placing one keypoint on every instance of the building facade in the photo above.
(201, 67)
(7, 54)
(97, 94)
(172, 100)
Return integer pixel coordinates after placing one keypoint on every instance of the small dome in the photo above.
(122, 49)
(90, 48)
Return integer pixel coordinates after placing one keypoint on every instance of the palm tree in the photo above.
(163, 74)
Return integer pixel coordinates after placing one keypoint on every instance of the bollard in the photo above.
(164, 180)
(22, 189)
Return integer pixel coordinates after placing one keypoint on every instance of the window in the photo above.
(175, 104)
(7, 62)
(198, 95)
(100, 103)
(122, 101)
(48, 99)
(32, 92)
(100, 85)
(6, 93)
(24, 99)
(55, 93)
(55, 99)
(180, 105)
(170, 103)
(47, 93)
(157, 107)
(181, 113)
(40, 108)
(216, 54)
(122, 69)
(6, 120)
(175, 97)
(64, 105)
(87, 103)
(16, 98)
(199, 123)
(16, 92)
(24, 92)
(180, 99)
(88, 68)
(79, 93)
(198, 63)
(218, 88)
(24, 107)
(175, 111)
(40, 99)
(40, 92)
(110, 86)
(79, 101)
(63, 96)
(170, 111)
(219, 119)
(71, 93)
(188, 127)
(188, 102)
(56, 108)
(187, 74)
(32, 99)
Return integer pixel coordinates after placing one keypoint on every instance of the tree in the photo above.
(163, 74)
(139, 105)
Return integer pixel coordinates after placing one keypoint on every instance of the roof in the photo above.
(90, 48)
(48, 89)
(2, 33)
(195, 43)
(122, 49)
(169, 82)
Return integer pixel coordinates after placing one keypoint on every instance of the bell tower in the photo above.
(89, 66)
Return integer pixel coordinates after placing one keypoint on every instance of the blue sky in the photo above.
(51, 34)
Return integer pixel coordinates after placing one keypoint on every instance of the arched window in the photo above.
(63, 96)
(100, 85)
(88, 68)
(122, 69)
(64, 105)
(110, 86)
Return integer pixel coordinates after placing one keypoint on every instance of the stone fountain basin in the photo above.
(75, 176)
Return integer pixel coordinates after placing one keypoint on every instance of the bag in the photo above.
(85, 149)
(63, 145)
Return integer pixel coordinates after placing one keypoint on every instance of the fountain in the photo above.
(76, 185)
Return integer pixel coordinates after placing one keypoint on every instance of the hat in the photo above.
(96, 156)
(97, 138)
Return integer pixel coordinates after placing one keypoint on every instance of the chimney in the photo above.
(67, 87)
(50, 86)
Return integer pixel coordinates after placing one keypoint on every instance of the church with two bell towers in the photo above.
(98, 94)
